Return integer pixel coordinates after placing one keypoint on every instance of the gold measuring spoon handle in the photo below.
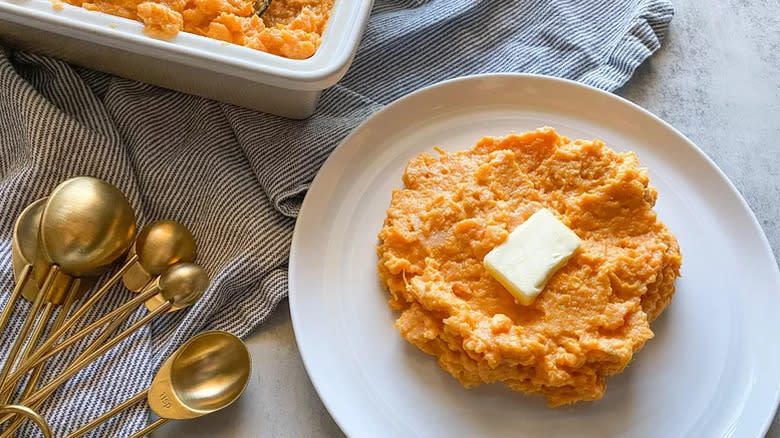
(9, 306)
(120, 311)
(103, 418)
(38, 330)
(105, 334)
(17, 345)
(112, 326)
(150, 428)
(32, 415)
(91, 348)
(37, 398)
(78, 314)
(70, 299)
(76, 367)
(40, 356)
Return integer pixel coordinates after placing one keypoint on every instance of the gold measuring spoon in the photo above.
(182, 285)
(23, 247)
(206, 374)
(31, 214)
(23, 243)
(158, 246)
(164, 242)
(86, 224)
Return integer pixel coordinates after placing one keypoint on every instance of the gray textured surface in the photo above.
(717, 80)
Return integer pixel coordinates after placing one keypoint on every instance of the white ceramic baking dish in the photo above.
(189, 63)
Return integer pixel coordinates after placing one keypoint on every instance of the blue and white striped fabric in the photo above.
(237, 177)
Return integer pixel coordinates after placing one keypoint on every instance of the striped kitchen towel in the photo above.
(237, 177)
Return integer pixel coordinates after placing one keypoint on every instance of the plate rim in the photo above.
(295, 241)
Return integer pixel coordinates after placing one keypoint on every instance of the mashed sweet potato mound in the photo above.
(289, 28)
(594, 313)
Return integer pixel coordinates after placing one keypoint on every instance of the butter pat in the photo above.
(532, 253)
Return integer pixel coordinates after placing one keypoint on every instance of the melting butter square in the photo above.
(531, 254)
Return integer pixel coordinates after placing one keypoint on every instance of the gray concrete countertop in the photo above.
(717, 80)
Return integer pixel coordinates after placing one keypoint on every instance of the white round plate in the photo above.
(712, 370)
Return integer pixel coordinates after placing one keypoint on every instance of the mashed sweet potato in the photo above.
(289, 28)
(594, 313)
